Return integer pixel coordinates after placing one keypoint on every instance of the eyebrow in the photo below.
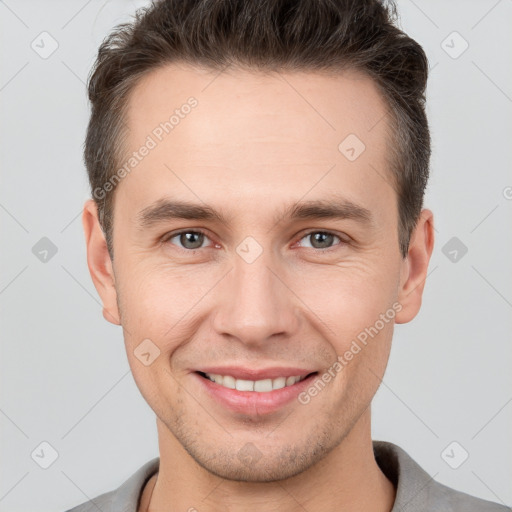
(166, 209)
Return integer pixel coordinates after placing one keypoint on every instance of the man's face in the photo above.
(260, 289)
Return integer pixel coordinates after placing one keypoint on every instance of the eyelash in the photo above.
(166, 238)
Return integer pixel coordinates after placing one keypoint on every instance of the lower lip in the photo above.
(254, 403)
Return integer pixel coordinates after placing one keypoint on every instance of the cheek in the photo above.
(163, 303)
(158, 318)
(349, 298)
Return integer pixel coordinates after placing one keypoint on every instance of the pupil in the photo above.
(321, 237)
(189, 237)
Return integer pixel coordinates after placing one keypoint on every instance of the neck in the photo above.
(347, 478)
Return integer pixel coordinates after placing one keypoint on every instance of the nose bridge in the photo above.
(255, 303)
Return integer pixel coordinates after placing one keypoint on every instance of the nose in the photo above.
(256, 303)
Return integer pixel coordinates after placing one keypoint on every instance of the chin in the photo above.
(270, 464)
(257, 472)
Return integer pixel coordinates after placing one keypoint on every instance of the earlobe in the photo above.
(99, 262)
(415, 267)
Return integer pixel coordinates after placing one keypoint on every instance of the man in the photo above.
(257, 229)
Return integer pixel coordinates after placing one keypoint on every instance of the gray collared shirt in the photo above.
(416, 491)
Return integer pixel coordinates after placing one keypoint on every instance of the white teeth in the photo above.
(262, 386)
(228, 381)
(279, 383)
(290, 381)
(244, 385)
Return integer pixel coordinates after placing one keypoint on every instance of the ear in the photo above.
(414, 268)
(99, 262)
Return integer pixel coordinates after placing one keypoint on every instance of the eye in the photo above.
(193, 239)
(322, 239)
(189, 240)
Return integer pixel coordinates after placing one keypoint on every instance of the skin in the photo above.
(252, 146)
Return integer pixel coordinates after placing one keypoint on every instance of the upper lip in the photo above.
(256, 374)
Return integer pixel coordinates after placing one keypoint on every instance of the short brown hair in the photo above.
(267, 35)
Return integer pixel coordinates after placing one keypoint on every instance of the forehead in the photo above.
(273, 135)
(239, 101)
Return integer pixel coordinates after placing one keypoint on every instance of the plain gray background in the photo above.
(65, 379)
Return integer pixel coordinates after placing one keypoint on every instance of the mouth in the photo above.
(253, 398)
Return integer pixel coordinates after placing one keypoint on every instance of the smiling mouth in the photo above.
(260, 386)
